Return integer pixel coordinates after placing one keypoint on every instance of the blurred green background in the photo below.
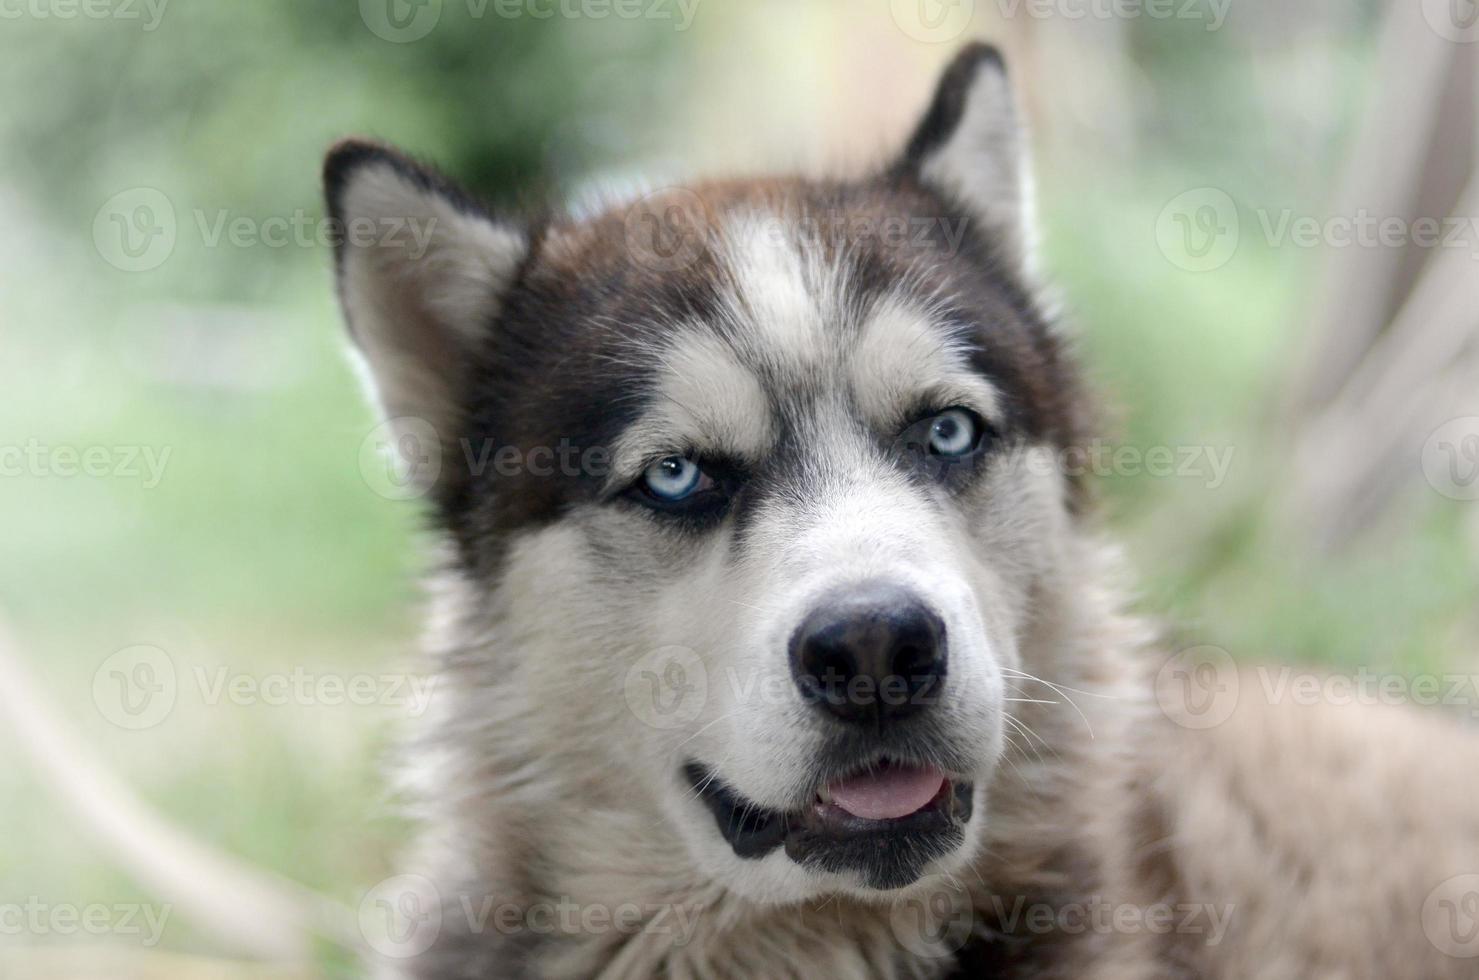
(262, 549)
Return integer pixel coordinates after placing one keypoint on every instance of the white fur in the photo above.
(905, 351)
(780, 293)
(706, 400)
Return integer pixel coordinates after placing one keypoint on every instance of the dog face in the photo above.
(751, 482)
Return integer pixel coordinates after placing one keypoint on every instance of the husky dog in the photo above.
(773, 640)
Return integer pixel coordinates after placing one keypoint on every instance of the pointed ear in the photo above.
(971, 147)
(422, 271)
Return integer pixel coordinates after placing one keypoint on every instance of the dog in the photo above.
(774, 639)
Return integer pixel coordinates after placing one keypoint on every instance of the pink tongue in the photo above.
(887, 795)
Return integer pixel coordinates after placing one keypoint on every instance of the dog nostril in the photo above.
(836, 668)
(910, 659)
(870, 655)
(826, 672)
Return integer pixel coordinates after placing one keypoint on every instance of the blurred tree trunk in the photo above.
(1393, 347)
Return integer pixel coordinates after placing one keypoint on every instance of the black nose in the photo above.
(871, 655)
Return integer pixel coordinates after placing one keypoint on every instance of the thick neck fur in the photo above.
(505, 824)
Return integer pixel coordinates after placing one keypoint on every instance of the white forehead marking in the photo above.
(705, 399)
(783, 294)
(906, 353)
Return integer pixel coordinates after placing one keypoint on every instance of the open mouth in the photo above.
(886, 821)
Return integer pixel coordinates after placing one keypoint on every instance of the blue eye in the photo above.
(673, 478)
(953, 433)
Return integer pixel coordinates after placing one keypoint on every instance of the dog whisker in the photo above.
(1023, 675)
(1027, 732)
(711, 724)
(1061, 692)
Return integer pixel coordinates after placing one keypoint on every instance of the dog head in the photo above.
(750, 482)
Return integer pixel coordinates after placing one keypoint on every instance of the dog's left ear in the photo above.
(971, 147)
(423, 271)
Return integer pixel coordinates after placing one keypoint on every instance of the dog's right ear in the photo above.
(971, 145)
(422, 272)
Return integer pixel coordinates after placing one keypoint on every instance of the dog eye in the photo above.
(954, 433)
(673, 479)
(939, 441)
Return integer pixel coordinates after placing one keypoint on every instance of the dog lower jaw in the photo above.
(885, 854)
